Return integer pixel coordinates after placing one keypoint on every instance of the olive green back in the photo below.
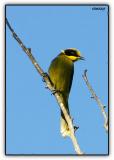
(61, 74)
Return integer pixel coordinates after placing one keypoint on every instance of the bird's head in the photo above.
(73, 54)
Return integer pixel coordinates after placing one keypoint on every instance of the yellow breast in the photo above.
(73, 58)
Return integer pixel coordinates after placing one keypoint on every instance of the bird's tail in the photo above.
(64, 129)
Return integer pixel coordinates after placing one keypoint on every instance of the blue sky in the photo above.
(32, 114)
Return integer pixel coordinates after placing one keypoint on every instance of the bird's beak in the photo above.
(82, 58)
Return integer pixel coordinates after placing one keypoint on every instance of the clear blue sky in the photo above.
(33, 116)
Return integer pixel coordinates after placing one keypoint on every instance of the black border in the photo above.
(68, 4)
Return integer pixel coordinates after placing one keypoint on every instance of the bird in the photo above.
(61, 71)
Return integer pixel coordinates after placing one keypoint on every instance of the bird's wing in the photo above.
(71, 77)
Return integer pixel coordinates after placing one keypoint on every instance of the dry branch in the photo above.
(101, 106)
(49, 85)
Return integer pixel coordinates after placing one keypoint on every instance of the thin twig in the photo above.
(50, 87)
(101, 106)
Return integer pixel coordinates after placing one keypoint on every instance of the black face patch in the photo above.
(70, 52)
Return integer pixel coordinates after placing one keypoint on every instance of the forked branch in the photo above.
(49, 85)
(101, 106)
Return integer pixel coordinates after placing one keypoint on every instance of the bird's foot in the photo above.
(55, 91)
(44, 74)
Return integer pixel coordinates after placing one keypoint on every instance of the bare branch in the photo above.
(101, 106)
(50, 87)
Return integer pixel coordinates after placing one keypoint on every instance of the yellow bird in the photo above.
(61, 73)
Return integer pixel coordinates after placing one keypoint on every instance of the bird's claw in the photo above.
(55, 91)
(44, 75)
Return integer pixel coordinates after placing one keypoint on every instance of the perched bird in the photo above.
(61, 72)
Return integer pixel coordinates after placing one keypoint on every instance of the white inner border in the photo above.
(2, 78)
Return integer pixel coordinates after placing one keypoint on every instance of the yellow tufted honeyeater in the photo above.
(61, 73)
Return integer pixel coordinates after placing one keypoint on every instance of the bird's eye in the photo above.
(77, 54)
